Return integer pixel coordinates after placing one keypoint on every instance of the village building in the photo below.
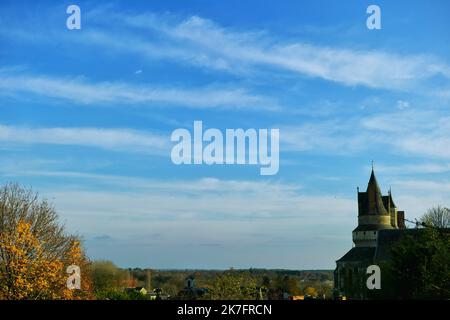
(190, 291)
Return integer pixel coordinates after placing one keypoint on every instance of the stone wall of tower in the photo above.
(394, 218)
(401, 219)
(365, 238)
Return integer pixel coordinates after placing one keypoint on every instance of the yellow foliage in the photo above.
(310, 291)
(27, 271)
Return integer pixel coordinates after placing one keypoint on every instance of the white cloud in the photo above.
(205, 198)
(195, 186)
(425, 134)
(443, 93)
(427, 186)
(401, 104)
(420, 168)
(79, 91)
(335, 137)
(396, 122)
(202, 199)
(416, 196)
(422, 133)
(202, 42)
(111, 139)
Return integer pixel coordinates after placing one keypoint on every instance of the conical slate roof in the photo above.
(371, 201)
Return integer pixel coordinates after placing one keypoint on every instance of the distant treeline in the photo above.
(315, 283)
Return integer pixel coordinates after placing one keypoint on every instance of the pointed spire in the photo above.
(375, 201)
(373, 182)
(391, 200)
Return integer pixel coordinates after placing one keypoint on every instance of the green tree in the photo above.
(420, 265)
(288, 284)
(233, 285)
(107, 276)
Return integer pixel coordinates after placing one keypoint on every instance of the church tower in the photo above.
(375, 212)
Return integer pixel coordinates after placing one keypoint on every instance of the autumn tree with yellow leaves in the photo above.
(35, 251)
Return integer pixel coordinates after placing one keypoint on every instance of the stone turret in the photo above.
(380, 225)
(391, 208)
(375, 212)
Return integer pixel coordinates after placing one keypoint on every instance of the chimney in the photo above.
(401, 219)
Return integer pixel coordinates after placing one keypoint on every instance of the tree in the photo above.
(420, 266)
(106, 276)
(289, 285)
(311, 291)
(233, 285)
(76, 256)
(35, 251)
(438, 217)
(325, 289)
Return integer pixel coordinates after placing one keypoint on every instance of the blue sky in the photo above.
(86, 117)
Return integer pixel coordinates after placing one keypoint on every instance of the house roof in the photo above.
(386, 239)
(357, 254)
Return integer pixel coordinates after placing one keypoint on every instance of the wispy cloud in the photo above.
(201, 199)
(425, 134)
(111, 139)
(181, 202)
(422, 133)
(205, 198)
(202, 42)
(84, 92)
(419, 168)
(419, 195)
(196, 187)
(326, 136)
(427, 186)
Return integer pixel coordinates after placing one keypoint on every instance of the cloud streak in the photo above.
(416, 132)
(204, 43)
(201, 42)
(198, 199)
(422, 133)
(81, 91)
(110, 139)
